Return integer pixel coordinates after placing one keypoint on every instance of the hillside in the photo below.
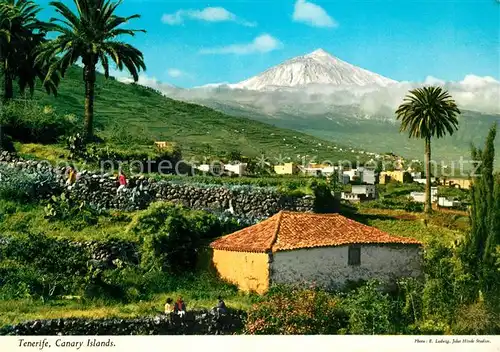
(132, 115)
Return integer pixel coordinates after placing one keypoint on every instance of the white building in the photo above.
(423, 181)
(237, 169)
(215, 169)
(419, 197)
(353, 174)
(448, 202)
(370, 191)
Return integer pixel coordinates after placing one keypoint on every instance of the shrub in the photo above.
(30, 123)
(324, 201)
(292, 311)
(169, 243)
(370, 310)
(476, 319)
(45, 266)
(26, 185)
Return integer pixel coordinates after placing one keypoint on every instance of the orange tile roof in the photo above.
(292, 230)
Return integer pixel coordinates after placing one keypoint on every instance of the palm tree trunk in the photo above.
(428, 203)
(89, 78)
(8, 89)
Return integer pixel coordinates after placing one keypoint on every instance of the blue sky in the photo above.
(192, 43)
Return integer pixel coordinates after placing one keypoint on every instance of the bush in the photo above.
(293, 311)
(370, 311)
(477, 319)
(30, 123)
(65, 208)
(43, 266)
(324, 201)
(26, 185)
(169, 243)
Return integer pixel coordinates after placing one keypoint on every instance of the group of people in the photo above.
(73, 175)
(179, 307)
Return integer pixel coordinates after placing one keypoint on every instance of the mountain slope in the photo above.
(134, 116)
(350, 125)
(318, 67)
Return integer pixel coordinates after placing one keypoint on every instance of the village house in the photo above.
(423, 181)
(461, 183)
(319, 170)
(216, 169)
(398, 176)
(286, 169)
(236, 169)
(419, 197)
(448, 202)
(328, 250)
(360, 193)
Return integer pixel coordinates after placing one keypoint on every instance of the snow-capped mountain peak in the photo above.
(318, 53)
(317, 67)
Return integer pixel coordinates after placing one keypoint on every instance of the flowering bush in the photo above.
(293, 311)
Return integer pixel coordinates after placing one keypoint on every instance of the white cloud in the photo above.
(208, 14)
(312, 14)
(472, 93)
(175, 73)
(430, 80)
(261, 44)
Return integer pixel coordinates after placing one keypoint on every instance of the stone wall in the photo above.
(328, 267)
(194, 323)
(101, 189)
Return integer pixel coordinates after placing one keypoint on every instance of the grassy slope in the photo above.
(133, 115)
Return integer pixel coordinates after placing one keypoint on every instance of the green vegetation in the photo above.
(428, 112)
(482, 243)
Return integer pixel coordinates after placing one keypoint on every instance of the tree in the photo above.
(92, 35)
(426, 113)
(480, 246)
(21, 35)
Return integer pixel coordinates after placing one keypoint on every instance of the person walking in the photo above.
(122, 179)
(71, 177)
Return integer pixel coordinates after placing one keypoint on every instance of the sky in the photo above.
(193, 43)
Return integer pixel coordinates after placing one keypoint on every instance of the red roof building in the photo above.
(327, 249)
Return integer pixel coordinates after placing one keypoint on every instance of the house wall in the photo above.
(328, 267)
(249, 271)
(286, 169)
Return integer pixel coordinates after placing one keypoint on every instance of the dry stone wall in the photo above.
(194, 323)
(101, 190)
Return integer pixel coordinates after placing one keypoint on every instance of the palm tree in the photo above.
(425, 113)
(91, 34)
(21, 34)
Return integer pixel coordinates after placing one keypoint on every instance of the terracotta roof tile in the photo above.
(291, 230)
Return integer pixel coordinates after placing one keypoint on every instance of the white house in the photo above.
(370, 191)
(216, 169)
(420, 196)
(237, 169)
(423, 180)
(353, 173)
(325, 250)
(448, 202)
